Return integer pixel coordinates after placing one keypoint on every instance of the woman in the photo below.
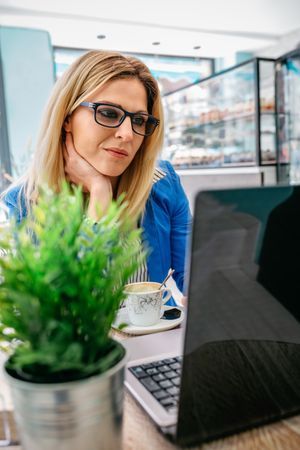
(103, 129)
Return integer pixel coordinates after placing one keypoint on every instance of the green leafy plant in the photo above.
(61, 284)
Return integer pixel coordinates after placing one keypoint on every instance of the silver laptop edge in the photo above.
(143, 350)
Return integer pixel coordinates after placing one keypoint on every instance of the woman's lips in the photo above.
(117, 152)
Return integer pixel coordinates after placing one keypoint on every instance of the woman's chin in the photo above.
(110, 172)
(106, 170)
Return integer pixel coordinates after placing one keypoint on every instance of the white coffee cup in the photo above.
(145, 301)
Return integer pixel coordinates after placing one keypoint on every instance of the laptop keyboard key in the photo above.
(160, 394)
(175, 366)
(170, 407)
(167, 402)
(165, 384)
(159, 377)
(163, 368)
(152, 371)
(146, 366)
(138, 371)
(176, 381)
(172, 390)
(169, 361)
(157, 363)
(171, 374)
(150, 384)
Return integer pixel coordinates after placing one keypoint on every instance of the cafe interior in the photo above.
(178, 327)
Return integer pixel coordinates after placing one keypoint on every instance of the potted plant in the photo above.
(61, 284)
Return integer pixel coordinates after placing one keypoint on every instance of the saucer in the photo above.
(161, 325)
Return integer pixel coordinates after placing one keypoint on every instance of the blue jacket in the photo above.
(166, 227)
(166, 224)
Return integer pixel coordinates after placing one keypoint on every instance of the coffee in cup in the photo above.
(145, 301)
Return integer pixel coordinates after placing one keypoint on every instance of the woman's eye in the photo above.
(108, 113)
(139, 120)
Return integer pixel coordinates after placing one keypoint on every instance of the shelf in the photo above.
(221, 122)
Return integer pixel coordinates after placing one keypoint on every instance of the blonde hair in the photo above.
(89, 72)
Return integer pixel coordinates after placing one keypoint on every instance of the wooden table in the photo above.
(139, 432)
(283, 435)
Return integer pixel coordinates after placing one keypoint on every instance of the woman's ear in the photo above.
(67, 124)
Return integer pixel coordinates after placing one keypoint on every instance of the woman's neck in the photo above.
(114, 183)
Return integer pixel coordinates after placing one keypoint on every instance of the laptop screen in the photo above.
(242, 356)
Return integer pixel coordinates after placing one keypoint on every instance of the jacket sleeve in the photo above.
(15, 204)
(180, 229)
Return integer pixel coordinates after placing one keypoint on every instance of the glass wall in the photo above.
(266, 118)
(171, 72)
(224, 120)
(288, 115)
(27, 77)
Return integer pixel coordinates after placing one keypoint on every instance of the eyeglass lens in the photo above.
(111, 116)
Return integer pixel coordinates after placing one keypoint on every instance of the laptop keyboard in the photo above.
(162, 380)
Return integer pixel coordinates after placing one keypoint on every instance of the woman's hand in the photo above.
(184, 300)
(81, 172)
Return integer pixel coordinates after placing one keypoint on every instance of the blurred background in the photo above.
(229, 74)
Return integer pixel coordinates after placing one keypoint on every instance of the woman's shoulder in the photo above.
(12, 195)
(165, 171)
(167, 186)
(166, 167)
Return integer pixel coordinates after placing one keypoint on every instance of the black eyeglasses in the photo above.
(112, 116)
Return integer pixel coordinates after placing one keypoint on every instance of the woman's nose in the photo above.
(125, 131)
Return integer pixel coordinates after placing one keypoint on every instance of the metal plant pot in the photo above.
(77, 415)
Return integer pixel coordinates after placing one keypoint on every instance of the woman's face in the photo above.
(109, 150)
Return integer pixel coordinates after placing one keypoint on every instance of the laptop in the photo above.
(236, 362)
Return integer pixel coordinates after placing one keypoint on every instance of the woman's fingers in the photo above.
(78, 169)
(184, 300)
